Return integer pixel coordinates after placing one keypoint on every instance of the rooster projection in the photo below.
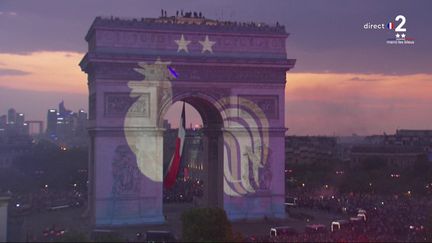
(246, 157)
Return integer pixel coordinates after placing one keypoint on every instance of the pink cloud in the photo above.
(316, 103)
(334, 104)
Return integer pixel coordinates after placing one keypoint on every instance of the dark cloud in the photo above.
(12, 72)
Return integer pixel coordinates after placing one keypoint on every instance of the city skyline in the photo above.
(346, 77)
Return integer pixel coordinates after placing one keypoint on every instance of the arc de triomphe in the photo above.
(233, 74)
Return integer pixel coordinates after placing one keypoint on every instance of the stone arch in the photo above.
(195, 99)
(212, 141)
(238, 90)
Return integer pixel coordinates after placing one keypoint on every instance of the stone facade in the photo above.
(234, 76)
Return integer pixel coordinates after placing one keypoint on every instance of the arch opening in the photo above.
(200, 178)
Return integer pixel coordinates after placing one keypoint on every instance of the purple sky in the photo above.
(362, 77)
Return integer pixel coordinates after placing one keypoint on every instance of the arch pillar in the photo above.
(213, 167)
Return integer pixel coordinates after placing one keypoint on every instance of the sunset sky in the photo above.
(346, 80)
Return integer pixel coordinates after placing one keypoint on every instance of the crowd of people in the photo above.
(225, 25)
(389, 219)
(183, 191)
(45, 199)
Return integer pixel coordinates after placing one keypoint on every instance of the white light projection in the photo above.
(246, 146)
(246, 138)
(146, 145)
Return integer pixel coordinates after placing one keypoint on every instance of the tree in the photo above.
(206, 224)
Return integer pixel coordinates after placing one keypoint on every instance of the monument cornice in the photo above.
(172, 24)
(196, 72)
(182, 31)
(187, 61)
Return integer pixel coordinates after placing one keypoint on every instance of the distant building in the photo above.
(51, 121)
(19, 119)
(35, 127)
(11, 116)
(192, 157)
(14, 137)
(63, 111)
(310, 149)
(374, 139)
(12, 126)
(3, 121)
(393, 155)
(66, 127)
(81, 123)
(401, 149)
(422, 138)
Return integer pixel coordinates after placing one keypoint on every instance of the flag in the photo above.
(174, 165)
(390, 25)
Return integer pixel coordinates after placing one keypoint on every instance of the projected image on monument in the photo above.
(232, 75)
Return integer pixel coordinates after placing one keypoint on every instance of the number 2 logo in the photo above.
(400, 28)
